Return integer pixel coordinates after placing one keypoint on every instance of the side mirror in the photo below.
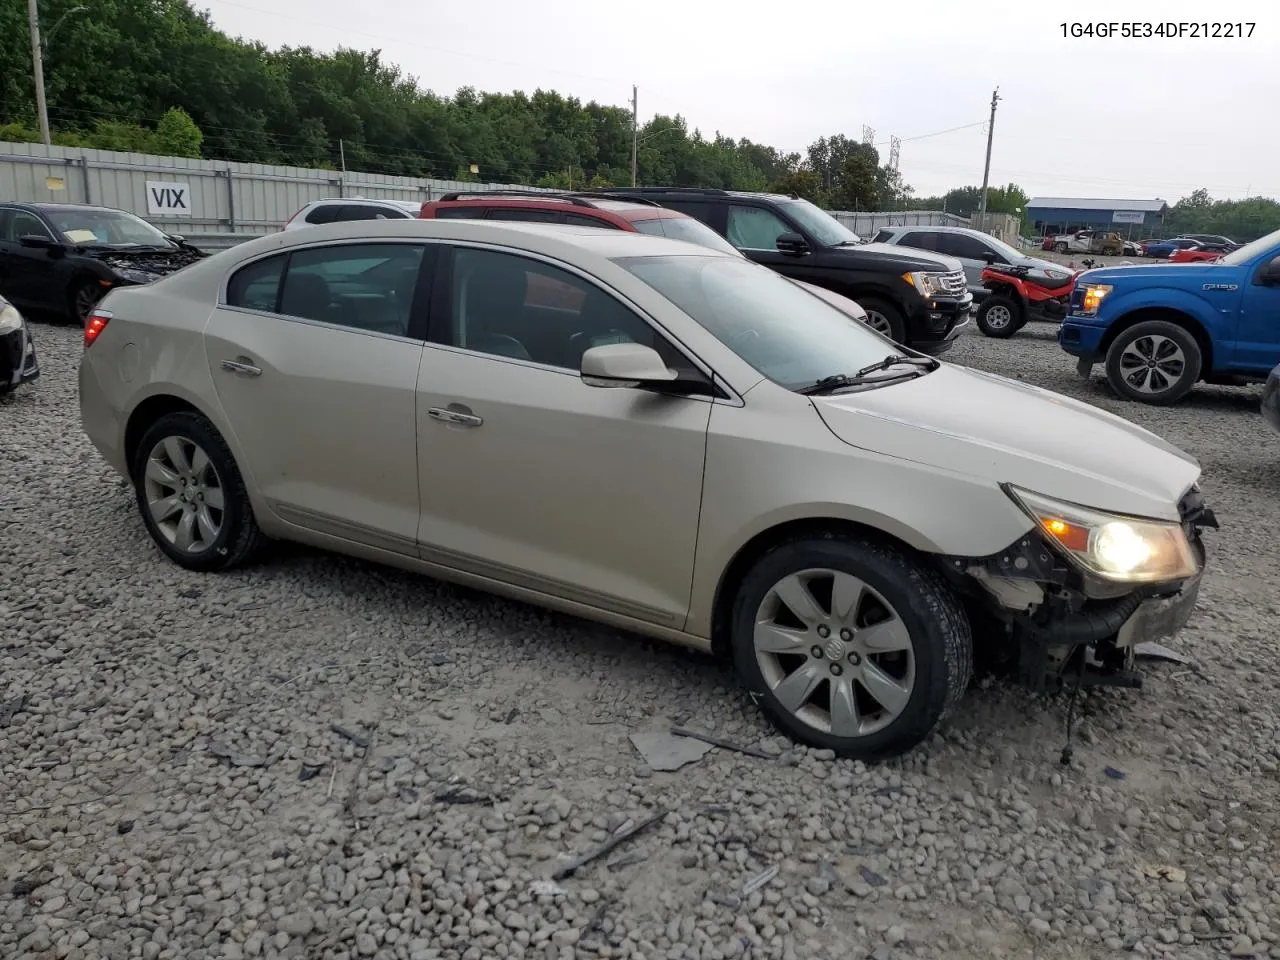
(39, 242)
(792, 244)
(624, 365)
(1269, 275)
(176, 238)
(989, 256)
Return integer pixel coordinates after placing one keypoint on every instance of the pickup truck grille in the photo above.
(954, 283)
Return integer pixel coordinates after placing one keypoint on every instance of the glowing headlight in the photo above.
(1094, 294)
(928, 284)
(10, 319)
(1125, 549)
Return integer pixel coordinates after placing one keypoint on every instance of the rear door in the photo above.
(535, 479)
(314, 355)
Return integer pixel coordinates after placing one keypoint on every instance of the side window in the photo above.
(325, 213)
(526, 215)
(699, 211)
(512, 306)
(6, 224)
(970, 248)
(921, 240)
(365, 286)
(578, 220)
(368, 211)
(257, 286)
(460, 213)
(25, 224)
(884, 236)
(755, 228)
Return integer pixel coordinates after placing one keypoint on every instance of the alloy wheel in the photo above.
(834, 652)
(999, 317)
(878, 322)
(86, 298)
(1152, 364)
(184, 494)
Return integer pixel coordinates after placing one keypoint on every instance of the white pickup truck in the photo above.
(1089, 241)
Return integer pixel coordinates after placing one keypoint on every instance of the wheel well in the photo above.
(1168, 315)
(762, 543)
(144, 415)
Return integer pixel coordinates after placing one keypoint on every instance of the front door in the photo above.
(533, 478)
(28, 275)
(1258, 336)
(315, 360)
(755, 231)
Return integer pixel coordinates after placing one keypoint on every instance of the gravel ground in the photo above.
(173, 785)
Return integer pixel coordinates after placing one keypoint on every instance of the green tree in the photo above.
(177, 135)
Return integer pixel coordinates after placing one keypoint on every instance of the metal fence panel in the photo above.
(868, 223)
(221, 198)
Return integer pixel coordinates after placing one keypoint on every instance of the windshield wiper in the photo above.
(896, 358)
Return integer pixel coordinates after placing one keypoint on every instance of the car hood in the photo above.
(905, 258)
(153, 263)
(1002, 431)
(1154, 272)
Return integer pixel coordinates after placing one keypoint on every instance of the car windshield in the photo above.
(687, 229)
(822, 226)
(1250, 250)
(105, 228)
(779, 328)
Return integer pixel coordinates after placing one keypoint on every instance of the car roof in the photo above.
(395, 203)
(628, 210)
(45, 206)
(560, 241)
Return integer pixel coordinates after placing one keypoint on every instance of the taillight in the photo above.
(94, 325)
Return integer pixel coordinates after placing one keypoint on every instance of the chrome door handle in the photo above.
(239, 366)
(453, 416)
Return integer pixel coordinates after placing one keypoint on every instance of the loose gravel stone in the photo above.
(189, 706)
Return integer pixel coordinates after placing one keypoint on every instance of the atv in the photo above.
(1020, 294)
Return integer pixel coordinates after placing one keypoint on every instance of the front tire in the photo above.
(885, 318)
(1155, 362)
(1060, 247)
(191, 495)
(850, 645)
(1000, 317)
(82, 297)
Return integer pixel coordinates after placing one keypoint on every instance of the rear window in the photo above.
(884, 236)
(459, 213)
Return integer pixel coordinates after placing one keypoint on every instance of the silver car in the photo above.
(650, 434)
(973, 248)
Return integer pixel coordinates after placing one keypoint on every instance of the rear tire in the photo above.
(1000, 317)
(1060, 247)
(885, 318)
(1155, 362)
(878, 652)
(191, 495)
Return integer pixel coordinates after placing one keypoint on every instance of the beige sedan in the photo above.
(651, 434)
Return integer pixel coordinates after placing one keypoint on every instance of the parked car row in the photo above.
(662, 436)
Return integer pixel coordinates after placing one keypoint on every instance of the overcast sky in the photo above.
(1079, 117)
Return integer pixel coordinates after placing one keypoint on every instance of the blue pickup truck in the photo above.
(1160, 329)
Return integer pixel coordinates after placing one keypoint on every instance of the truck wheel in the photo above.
(1155, 362)
(884, 317)
(1000, 317)
(850, 645)
(1060, 247)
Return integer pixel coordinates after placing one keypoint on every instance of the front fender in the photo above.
(1214, 317)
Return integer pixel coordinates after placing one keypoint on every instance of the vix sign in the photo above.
(167, 198)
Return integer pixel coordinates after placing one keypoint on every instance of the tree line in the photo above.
(155, 76)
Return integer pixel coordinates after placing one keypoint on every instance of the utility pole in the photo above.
(986, 170)
(37, 62)
(635, 130)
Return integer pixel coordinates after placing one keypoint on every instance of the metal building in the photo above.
(1063, 215)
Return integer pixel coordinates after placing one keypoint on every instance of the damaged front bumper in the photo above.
(1062, 626)
(18, 362)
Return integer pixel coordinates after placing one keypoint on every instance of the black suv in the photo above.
(917, 298)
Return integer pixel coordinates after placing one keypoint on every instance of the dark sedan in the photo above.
(64, 257)
(17, 350)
